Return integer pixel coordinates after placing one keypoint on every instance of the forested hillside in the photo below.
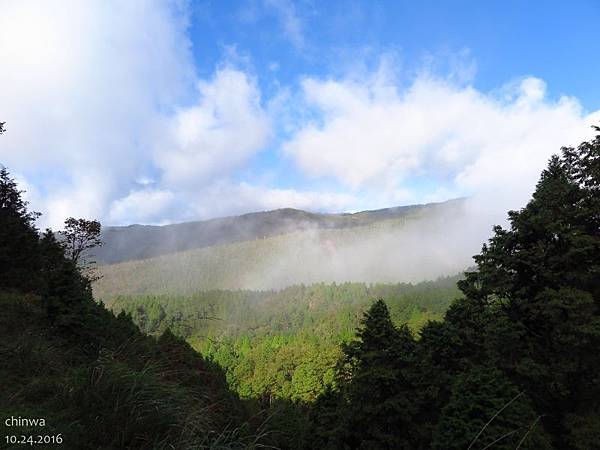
(282, 344)
(425, 244)
(513, 362)
(144, 241)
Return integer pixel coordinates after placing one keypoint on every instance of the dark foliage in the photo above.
(19, 259)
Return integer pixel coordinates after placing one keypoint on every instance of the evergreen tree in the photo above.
(95, 379)
(377, 391)
(327, 421)
(445, 351)
(540, 281)
(486, 410)
(18, 238)
(64, 287)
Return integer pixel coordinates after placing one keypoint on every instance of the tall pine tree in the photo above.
(378, 387)
(19, 265)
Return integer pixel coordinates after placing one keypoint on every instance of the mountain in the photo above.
(406, 244)
(126, 243)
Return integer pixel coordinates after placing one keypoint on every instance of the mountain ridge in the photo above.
(136, 241)
(382, 251)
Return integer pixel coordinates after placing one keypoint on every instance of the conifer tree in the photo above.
(540, 280)
(64, 287)
(379, 407)
(486, 410)
(327, 420)
(18, 238)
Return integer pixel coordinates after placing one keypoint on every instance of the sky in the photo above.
(148, 111)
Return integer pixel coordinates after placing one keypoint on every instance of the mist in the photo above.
(427, 243)
(423, 247)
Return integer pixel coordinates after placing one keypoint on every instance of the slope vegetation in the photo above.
(144, 241)
(282, 344)
(424, 244)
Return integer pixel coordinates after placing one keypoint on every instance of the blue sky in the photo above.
(553, 40)
(210, 108)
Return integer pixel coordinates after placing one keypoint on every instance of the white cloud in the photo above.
(262, 198)
(371, 135)
(225, 198)
(93, 94)
(218, 199)
(143, 206)
(218, 135)
(83, 84)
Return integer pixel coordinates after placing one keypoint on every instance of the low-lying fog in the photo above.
(424, 245)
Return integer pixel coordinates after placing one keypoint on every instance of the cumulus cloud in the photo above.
(371, 134)
(143, 206)
(83, 84)
(222, 198)
(219, 134)
(106, 117)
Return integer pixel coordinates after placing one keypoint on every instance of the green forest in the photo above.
(504, 356)
(282, 344)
